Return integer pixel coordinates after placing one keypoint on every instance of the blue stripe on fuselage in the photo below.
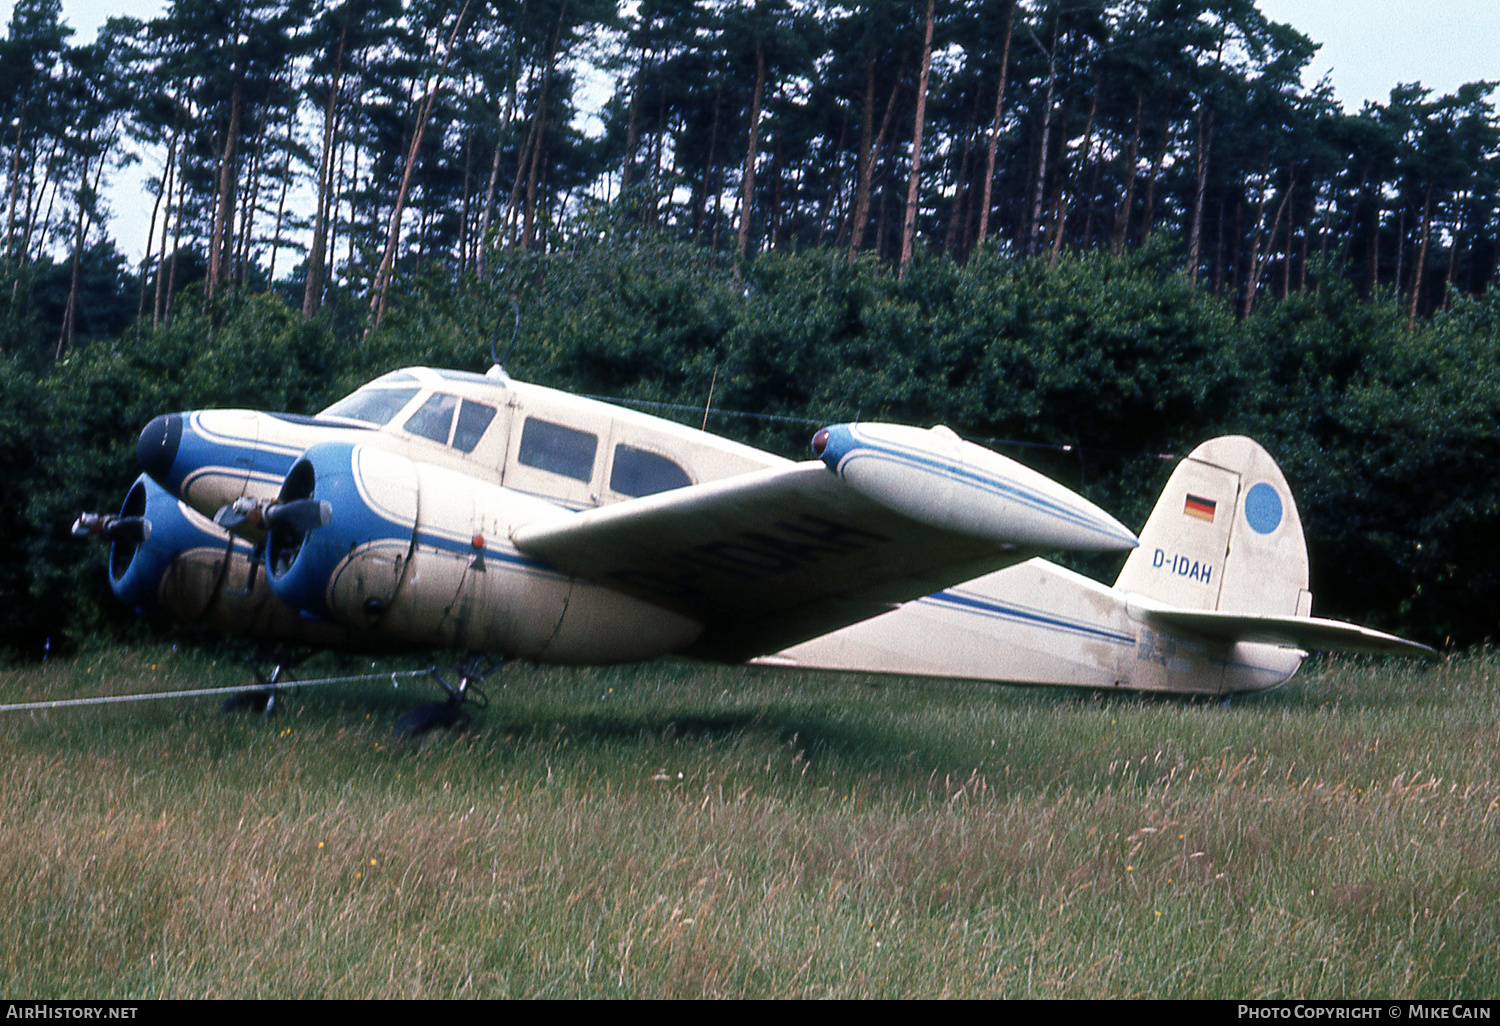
(1032, 617)
(443, 543)
(990, 609)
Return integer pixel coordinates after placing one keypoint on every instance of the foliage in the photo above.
(454, 136)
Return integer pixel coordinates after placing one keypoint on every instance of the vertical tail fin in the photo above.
(1224, 536)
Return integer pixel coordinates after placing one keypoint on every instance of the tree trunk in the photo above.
(505, 118)
(166, 177)
(1122, 216)
(1148, 217)
(914, 180)
(539, 145)
(70, 314)
(1065, 195)
(70, 310)
(312, 293)
(989, 168)
(1034, 223)
(830, 210)
(952, 239)
(249, 198)
(869, 155)
(774, 224)
(1286, 251)
(1400, 251)
(1421, 268)
(708, 166)
(1257, 262)
(15, 190)
(286, 180)
(161, 261)
(1205, 138)
(862, 169)
(224, 210)
(632, 128)
(481, 261)
(393, 236)
(748, 191)
(166, 312)
(523, 163)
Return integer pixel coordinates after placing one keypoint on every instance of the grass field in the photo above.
(672, 830)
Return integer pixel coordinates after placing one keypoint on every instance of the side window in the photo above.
(637, 472)
(434, 418)
(558, 449)
(473, 418)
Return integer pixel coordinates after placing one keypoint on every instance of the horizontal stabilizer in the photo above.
(1311, 633)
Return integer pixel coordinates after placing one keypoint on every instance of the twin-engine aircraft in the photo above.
(436, 508)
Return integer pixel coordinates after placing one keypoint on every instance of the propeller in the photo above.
(300, 515)
(241, 511)
(112, 528)
(296, 514)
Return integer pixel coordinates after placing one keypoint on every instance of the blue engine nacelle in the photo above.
(187, 567)
(178, 566)
(349, 568)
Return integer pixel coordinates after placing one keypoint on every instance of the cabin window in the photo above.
(473, 418)
(637, 472)
(434, 418)
(558, 449)
(372, 405)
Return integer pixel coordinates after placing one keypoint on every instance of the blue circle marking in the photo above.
(1263, 508)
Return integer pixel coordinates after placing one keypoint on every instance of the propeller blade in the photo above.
(243, 510)
(131, 529)
(112, 528)
(300, 514)
(229, 518)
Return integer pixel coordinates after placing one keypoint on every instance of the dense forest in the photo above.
(1089, 233)
(316, 146)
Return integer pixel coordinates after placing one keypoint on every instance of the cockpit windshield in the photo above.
(372, 405)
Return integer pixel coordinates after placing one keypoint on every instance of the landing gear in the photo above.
(463, 690)
(450, 713)
(262, 699)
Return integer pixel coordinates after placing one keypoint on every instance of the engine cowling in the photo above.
(350, 568)
(178, 566)
(187, 567)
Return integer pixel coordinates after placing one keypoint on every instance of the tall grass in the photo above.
(672, 830)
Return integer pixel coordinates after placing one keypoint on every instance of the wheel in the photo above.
(259, 701)
(431, 716)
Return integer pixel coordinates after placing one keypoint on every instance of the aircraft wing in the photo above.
(768, 559)
(1312, 633)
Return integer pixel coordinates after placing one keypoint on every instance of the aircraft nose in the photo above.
(156, 450)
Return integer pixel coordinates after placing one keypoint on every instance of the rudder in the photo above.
(1225, 535)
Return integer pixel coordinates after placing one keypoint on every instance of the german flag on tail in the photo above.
(1197, 506)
